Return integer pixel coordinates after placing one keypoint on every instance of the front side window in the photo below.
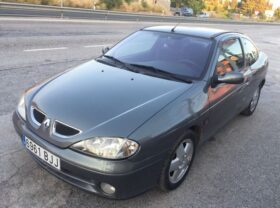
(251, 52)
(230, 57)
(174, 53)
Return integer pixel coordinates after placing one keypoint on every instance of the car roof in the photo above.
(203, 32)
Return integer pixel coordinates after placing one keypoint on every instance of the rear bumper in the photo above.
(131, 179)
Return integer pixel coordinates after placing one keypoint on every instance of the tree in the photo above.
(213, 5)
(248, 7)
(196, 5)
(277, 13)
(176, 3)
(110, 4)
(262, 5)
(231, 5)
(128, 1)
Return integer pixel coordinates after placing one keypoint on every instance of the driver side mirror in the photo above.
(105, 50)
(228, 78)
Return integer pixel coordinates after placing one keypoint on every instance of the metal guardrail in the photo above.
(44, 8)
(36, 6)
(33, 10)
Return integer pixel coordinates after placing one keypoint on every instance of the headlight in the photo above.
(21, 108)
(107, 147)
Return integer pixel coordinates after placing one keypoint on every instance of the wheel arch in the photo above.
(262, 83)
(197, 130)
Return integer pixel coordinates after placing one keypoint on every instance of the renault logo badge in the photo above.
(47, 123)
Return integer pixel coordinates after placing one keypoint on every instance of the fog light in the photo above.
(107, 188)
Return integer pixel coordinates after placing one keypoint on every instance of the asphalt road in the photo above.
(239, 167)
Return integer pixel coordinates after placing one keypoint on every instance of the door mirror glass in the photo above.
(229, 78)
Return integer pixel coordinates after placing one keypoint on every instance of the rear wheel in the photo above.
(179, 162)
(249, 110)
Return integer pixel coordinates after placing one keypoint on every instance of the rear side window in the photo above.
(251, 52)
(230, 57)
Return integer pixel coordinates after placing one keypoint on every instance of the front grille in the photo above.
(58, 128)
(64, 130)
(37, 116)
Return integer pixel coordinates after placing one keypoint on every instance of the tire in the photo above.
(181, 162)
(250, 109)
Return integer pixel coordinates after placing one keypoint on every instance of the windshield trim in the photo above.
(176, 33)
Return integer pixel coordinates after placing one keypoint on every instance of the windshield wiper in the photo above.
(114, 59)
(131, 67)
(162, 72)
(117, 61)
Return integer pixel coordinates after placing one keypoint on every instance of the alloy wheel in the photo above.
(254, 100)
(181, 160)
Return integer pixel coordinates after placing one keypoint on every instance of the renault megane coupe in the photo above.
(133, 118)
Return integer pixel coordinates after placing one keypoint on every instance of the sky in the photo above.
(276, 3)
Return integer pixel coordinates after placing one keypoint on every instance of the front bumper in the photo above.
(129, 177)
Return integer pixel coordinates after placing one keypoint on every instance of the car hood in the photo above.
(102, 100)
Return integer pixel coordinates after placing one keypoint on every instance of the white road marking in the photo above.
(30, 18)
(94, 46)
(44, 49)
(63, 48)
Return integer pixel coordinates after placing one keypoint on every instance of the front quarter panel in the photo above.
(160, 132)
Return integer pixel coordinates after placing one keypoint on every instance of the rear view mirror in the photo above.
(105, 50)
(229, 78)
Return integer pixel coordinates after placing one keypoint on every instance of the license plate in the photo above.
(42, 153)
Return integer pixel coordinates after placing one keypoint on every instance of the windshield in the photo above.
(174, 53)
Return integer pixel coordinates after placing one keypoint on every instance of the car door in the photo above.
(224, 99)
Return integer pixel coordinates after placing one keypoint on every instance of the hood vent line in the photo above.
(64, 130)
(37, 116)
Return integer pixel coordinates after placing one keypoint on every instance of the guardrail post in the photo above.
(61, 6)
(106, 16)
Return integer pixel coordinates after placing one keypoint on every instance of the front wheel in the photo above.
(249, 110)
(179, 163)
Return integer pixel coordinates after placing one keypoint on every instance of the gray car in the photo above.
(133, 118)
